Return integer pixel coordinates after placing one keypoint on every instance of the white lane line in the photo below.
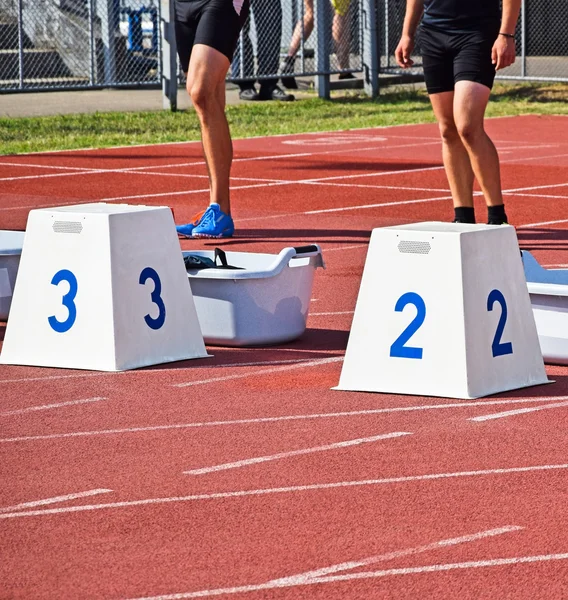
(537, 195)
(538, 187)
(284, 490)
(378, 205)
(310, 363)
(347, 566)
(53, 500)
(260, 459)
(543, 223)
(259, 420)
(519, 411)
(495, 562)
(527, 158)
(49, 406)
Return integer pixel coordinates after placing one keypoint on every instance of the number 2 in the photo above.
(149, 273)
(398, 349)
(497, 347)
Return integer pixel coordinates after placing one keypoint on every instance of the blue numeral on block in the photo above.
(149, 273)
(499, 348)
(398, 349)
(67, 301)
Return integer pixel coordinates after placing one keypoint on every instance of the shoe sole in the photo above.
(210, 236)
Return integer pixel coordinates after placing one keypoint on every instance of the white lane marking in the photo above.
(527, 158)
(495, 562)
(537, 187)
(53, 500)
(260, 459)
(537, 195)
(560, 266)
(49, 406)
(284, 490)
(518, 411)
(258, 420)
(347, 566)
(310, 363)
(542, 223)
(377, 205)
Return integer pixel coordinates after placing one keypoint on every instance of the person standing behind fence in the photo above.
(206, 34)
(268, 22)
(463, 44)
(340, 33)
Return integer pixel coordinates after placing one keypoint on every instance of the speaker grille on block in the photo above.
(67, 227)
(410, 247)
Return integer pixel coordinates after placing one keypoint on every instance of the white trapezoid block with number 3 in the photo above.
(103, 287)
(443, 310)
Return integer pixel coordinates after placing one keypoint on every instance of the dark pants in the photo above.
(267, 16)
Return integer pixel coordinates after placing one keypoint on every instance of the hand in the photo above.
(403, 52)
(503, 52)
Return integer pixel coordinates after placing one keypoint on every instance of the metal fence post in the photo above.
(370, 48)
(107, 12)
(21, 43)
(322, 18)
(169, 55)
(523, 39)
(92, 43)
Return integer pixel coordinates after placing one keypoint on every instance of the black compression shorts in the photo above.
(451, 56)
(214, 23)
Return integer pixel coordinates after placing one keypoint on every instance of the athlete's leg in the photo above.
(206, 86)
(470, 102)
(455, 155)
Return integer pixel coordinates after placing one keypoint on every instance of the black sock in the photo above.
(496, 215)
(464, 214)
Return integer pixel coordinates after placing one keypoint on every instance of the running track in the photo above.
(142, 484)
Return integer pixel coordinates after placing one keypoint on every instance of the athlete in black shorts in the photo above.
(206, 34)
(463, 43)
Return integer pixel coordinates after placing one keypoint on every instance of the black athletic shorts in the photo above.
(451, 56)
(214, 23)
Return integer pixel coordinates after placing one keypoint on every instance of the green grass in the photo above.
(352, 111)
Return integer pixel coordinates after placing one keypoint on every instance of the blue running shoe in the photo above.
(186, 230)
(214, 224)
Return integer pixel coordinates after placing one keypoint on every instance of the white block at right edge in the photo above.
(443, 310)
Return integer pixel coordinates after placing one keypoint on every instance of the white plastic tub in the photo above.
(11, 243)
(266, 302)
(548, 290)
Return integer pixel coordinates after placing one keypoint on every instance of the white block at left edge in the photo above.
(443, 310)
(102, 287)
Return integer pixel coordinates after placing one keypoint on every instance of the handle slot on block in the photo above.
(413, 247)
(67, 227)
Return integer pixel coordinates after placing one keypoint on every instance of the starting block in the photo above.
(443, 310)
(102, 287)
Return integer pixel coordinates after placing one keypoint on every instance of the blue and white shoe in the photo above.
(186, 230)
(214, 224)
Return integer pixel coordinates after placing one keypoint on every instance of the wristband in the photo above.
(508, 35)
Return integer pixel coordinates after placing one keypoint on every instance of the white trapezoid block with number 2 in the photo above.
(443, 310)
(103, 287)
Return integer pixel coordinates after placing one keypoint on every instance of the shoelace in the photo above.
(208, 217)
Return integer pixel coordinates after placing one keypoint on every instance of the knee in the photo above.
(201, 97)
(469, 132)
(449, 132)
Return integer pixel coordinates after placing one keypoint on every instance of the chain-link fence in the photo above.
(280, 38)
(65, 44)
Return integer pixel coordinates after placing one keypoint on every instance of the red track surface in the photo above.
(131, 524)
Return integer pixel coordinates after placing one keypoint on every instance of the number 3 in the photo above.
(149, 273)
(67, 301)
